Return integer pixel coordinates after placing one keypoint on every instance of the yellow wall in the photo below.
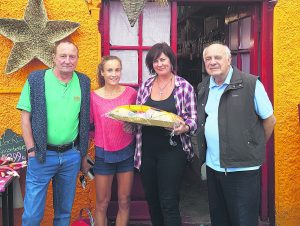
(287, 98)
(88, 40)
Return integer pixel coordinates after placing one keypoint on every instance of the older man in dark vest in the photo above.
(55, 125)
(235, 121)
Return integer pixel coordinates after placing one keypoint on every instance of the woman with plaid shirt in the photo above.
(160, 156)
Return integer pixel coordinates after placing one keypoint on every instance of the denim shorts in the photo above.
(105, 168)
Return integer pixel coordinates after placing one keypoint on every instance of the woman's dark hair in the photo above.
(155, 52)
(104, 59)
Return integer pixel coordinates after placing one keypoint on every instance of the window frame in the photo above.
(106, 47)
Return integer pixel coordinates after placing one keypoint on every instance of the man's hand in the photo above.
(85, 166)
(27, 131)
(31, 154)
(268, 125)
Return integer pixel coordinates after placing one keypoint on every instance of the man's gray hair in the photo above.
(227, 50)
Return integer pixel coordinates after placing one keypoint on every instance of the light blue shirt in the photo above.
(263, 108)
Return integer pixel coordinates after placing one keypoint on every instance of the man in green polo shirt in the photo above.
(55, 125)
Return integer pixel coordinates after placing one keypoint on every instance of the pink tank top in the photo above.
(109, 133)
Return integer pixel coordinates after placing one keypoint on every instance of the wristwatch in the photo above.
(31, 149)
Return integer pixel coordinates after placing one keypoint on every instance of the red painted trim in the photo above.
(140, 50)
(173, 38)
(131, 84)
(105, 35)
(268, 182)
(254, 39)
(240, 51)
(130, 47)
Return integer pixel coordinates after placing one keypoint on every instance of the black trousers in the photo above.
(234, 199)
(161, 174)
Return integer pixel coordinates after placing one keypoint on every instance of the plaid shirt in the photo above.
(185, 101)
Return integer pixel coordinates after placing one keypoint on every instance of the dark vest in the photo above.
(241, 133)
(39, 114)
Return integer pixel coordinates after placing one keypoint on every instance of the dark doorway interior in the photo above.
(198, 25)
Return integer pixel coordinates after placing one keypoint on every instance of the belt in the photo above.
(64, 147)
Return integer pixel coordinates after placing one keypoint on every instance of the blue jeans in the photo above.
(63, 169)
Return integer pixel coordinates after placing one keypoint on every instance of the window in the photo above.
(132, 43)
(242, 35)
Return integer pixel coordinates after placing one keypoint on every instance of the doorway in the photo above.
(198, 25)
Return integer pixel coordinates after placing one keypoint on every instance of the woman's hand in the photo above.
(180, 127)
(129, 127)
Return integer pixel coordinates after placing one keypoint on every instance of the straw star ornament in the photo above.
(34, 36)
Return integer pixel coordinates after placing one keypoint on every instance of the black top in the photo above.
(156, 138)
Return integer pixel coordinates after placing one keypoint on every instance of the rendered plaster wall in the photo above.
(287, 98)
(88, 40)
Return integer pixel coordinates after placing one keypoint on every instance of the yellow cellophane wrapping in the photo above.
(145, 115)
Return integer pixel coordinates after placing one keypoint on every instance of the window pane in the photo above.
(145, 72)
(129, 60)
(233, 36)
(246, 62)
(245, 33)
(234, 60)
(120, 28)
(156, 24)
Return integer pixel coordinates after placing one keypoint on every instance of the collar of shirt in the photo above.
(212, 82)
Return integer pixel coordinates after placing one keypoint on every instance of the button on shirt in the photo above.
(263, 108)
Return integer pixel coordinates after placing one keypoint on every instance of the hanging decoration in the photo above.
(34, 36)
(133, 9)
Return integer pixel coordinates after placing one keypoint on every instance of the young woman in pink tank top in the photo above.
(114, 142)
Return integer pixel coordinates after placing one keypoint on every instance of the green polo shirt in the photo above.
(62, 104)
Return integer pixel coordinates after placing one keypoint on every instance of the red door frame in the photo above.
(266, 69)
(268, 173)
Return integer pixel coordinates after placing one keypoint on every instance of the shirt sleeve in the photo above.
(140, 95)
(190, 108)
(24, 100)
(263, 105)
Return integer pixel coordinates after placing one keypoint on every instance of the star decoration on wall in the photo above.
(34, 36)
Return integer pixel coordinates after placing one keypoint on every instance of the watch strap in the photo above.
(31, 149)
